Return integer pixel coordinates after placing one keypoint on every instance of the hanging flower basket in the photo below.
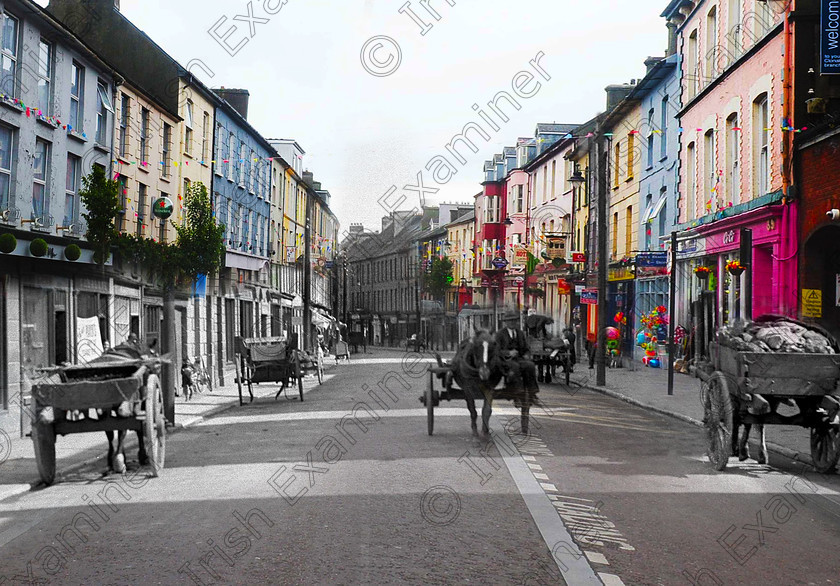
(702, 272)
(38, 247)
(8, 243)
(72, 252)
(735, 268)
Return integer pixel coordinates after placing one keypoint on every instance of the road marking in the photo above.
(529, 458)
(572, 563)
(588, 524)
(610, 579)
(596, 558)
(536, 467)
(548, 486)
(539, 476)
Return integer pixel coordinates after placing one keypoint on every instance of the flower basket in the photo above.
(735, 268)
(702, 273)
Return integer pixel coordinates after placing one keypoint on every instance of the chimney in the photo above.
(357, 228)
(236, 98)
(386, 222)
(672, 38)
(650, 62)
(308, 178)
(616, 93)
(117, 5)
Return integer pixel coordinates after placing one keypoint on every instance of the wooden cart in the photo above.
(548, 355)
(100, 385)
(808, 380)
(275, 360)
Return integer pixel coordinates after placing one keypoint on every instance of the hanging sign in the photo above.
(499, 262)
(520, 255)
(89, 340)
(811, 303)
(589, 297)
(830, 37)
(578, 257)
(162, 208)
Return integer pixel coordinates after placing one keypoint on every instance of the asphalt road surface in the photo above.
(349, 488)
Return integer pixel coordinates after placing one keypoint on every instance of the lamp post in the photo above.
(577, 179)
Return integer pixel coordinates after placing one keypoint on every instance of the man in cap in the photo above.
(513, 347)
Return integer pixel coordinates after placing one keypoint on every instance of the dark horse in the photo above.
(477, 369)
(129, 350)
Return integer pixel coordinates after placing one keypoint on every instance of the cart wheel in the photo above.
(430, 404)
(154, 427)
(320, 367)
(43, 439)
(824, 448)
(718, 419)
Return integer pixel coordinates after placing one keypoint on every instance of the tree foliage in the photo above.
(439, 278)
(198, 249)
(101, 198)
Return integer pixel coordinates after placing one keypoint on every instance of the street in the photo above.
(348, 488)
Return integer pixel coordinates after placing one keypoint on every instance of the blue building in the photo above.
(659, 97)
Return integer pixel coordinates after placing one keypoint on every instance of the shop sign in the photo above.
(652, 259)
(290, 254)
(579, 289)
(728, 237)
(563, 287)
(578, 257)
(691, 248)
(811, 303)
(499, 262)
(89, 341)
(162, 208)
(589, 297)
(621, 274)
(829, 37)
(520, 255)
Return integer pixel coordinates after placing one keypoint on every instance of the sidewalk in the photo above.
(19, 473)
(648, 388)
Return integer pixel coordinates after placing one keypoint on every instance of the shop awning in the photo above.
(653, 210)
(234, 260)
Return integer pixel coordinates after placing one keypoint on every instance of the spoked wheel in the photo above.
(43, 440)
(299, 376)
(430, 404)
(718, 420)
(320, 367)
(154, 427)
(825, 449)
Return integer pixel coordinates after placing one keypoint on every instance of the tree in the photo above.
(200, 242)
(101, 198)
(439, 278)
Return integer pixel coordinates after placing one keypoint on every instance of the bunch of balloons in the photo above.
(613, 341)
(647, 342)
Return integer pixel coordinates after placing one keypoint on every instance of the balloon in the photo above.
(640, 338)
(612, 333)
(654, 363)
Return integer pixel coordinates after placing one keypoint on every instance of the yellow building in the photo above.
(460, 235)
(625, 172)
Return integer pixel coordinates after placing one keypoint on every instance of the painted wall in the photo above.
(626, 164)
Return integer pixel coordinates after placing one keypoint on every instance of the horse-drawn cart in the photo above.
(550, 354)
(130, 388)
(275, 360)
(747, 388)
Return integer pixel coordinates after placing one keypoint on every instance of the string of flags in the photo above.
(784, 127)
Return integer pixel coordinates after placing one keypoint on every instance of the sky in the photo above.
(365, 133)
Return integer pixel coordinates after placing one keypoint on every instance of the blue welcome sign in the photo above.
(830, 37)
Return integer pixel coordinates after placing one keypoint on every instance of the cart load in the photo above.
(777, 334)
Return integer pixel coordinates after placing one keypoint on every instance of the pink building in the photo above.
(732, 56)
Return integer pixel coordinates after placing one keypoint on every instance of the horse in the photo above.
(129, 350)
(477, 368)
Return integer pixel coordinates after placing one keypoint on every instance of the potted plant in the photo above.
(8, 243)
(72, 252)
(38, 247)
(735, 267)
(702, 272)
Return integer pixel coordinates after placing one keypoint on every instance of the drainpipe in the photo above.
(789, 222)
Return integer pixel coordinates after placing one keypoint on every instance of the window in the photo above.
(188, 124)
(628, 231)
(8, 55)
(647, 219)
(631, 154)
(763, 19)
(545, 185)
(77, 90)
(217, 151)
(71, 206)
(761, 145)
(167, 149)
(690, 181)
(252, 172)
(144, 135)
(162, 224)
(615, 235)
(243, 161)
(650, 139)
(711, 45)
(553, 170)
(518, 191)
(102, 113)
(40, 195)
(733, 171)
(734, 36)
(617, 164)
(122, 181)
(6, 137)
(663, 129)
(491, 212)
(691, 73)
(710, 175)
(45, 54)
(231, 155)
(205, 131)
(125, 105)
(663, 215)
(142, 195)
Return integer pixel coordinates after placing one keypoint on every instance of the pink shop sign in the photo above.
(765, 227)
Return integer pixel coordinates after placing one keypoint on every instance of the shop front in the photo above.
(621, 296)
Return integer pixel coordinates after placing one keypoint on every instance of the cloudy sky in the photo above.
(364, 133)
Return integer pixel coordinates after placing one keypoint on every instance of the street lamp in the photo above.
(577, 179)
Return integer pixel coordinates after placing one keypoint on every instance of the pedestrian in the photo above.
(570, 336)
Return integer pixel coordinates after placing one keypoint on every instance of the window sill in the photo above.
(629, 179)
(46, 121)
(663, 159)
(144, 168)
(82, 138)
(166, 178)
(101, 148)
(123, 160)
(10, 104)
